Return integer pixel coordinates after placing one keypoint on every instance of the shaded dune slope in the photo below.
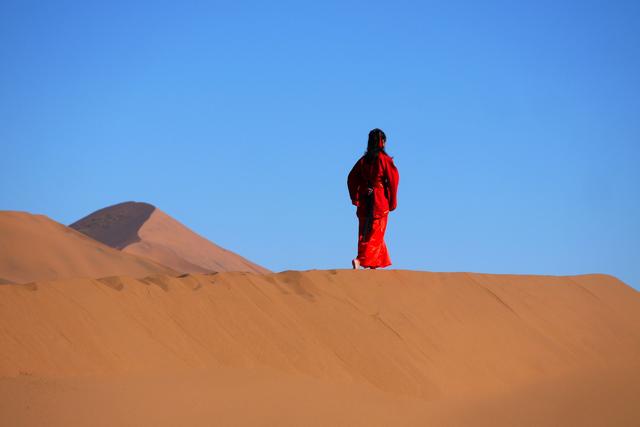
(34, 248)
(142, 229)
(418, 334)
(116, 226)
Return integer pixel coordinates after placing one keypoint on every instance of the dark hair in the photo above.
(373, 145)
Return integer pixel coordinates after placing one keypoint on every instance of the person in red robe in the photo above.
(373, 188)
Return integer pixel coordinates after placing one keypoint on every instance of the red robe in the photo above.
(380, 175)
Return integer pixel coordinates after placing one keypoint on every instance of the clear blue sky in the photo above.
(515, 125)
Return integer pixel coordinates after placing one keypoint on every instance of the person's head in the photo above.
(377, 140)
(376, 143)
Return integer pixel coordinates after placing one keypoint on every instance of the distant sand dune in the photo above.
(144, 230)
(322, 348)
(36, 248)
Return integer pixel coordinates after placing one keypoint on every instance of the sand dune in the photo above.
(322, 348)
(34, 247)
(142, 229)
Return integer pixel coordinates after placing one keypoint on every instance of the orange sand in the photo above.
(321, 348)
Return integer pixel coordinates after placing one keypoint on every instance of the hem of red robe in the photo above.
(365, 265)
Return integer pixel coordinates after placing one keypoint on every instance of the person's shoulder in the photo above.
(358, 162)
(388, 161)
(386, 158)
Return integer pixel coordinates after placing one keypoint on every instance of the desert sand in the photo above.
(35, 247)
(142, 229)
(333, 347)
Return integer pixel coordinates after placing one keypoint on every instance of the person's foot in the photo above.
(355, 263)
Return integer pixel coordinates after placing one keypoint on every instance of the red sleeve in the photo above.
(353, 182)
(393, 178)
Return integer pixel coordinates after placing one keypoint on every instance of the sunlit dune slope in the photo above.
(413, 333)
(321, 348)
